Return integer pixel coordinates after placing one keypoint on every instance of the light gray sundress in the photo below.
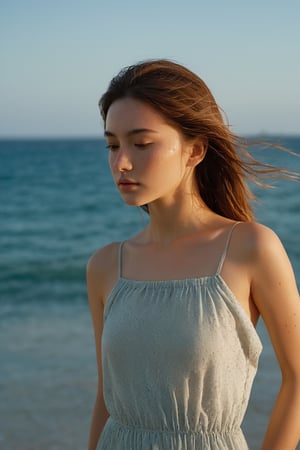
(178, 358)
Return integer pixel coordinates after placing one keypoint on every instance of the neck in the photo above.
(177, 219)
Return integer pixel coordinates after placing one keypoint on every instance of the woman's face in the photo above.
(147, 156)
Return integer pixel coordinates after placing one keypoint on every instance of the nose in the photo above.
(121, 160)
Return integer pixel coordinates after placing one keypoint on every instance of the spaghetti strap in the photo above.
(220, 266)
(120, 260)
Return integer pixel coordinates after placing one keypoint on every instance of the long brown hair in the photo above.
(187, 103)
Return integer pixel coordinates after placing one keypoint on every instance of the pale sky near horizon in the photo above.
(57, 59)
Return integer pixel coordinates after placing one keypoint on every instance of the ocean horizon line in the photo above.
(91, 137)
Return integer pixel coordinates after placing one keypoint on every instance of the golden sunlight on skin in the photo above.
(148, 157)
(184, 294)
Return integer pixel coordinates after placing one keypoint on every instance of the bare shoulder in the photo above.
(255, 230)
(258, 249)
(267, 259)
(259, 241)
(102, 271)
(100, 261)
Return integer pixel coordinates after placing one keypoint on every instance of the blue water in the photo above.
(58, 205)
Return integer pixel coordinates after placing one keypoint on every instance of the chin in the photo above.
(133, 203)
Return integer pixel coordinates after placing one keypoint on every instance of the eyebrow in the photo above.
(108, 133)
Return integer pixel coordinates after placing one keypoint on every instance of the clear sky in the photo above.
(58, 56)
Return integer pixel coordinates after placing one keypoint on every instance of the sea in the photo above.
(58, 206)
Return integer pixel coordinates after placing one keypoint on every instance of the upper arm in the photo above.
(100, 273)
(275, 294)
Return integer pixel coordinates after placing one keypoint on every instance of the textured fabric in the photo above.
(179, 358)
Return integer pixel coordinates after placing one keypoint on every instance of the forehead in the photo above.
(127, 113)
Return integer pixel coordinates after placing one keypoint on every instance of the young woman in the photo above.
(174, 308)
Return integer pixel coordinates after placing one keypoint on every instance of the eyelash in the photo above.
(113, 147)
(142, 145)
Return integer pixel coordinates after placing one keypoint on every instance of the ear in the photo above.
(198, 151)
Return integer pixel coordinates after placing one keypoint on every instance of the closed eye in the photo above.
(143, 145)
(112, 147)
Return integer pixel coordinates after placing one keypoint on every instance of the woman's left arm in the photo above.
(275, 294)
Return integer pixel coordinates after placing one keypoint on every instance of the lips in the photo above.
(127, 182)
(126, 185)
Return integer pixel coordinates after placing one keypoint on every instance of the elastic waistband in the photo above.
(141, 429)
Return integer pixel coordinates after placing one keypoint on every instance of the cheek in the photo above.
(171, 158)
(166, 169)
(111, 161)
(168, 151)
